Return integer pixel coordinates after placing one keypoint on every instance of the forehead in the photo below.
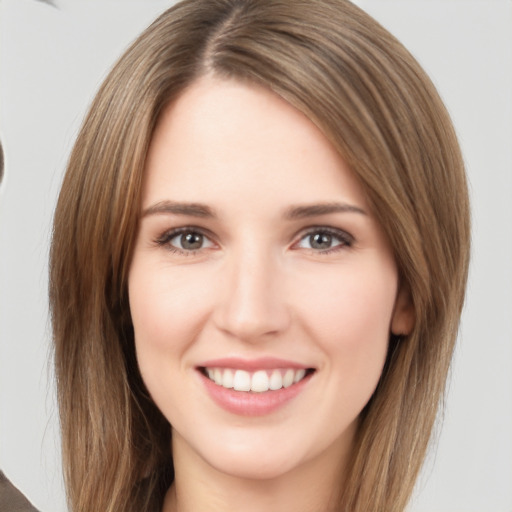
(224, 139)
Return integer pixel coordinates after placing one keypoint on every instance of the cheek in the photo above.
(166, 307)
(169, 308)
(167, 312)
(349, 314)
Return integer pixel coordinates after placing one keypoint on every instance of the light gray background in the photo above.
(51, 62)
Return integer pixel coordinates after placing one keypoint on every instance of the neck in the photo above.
(314, 486)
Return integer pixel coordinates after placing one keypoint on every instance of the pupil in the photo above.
(191, 241)
(321, 241)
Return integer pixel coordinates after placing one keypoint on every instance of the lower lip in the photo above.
(247, 403)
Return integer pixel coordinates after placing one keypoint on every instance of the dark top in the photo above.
(11, 500)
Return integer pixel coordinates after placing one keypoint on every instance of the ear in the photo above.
(402, 321)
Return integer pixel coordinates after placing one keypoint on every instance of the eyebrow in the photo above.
(301, 212)
(291, 213)
(172, 207)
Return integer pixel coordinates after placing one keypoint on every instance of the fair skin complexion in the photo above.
(257, 252)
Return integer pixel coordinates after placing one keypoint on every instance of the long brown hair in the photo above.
(377, 106)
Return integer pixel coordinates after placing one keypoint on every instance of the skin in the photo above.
(258, 286)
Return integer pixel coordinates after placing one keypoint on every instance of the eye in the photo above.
(185, 240)
(325, 240)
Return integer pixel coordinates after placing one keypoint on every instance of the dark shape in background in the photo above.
(11, 500)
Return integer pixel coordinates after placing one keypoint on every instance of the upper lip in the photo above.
(261, 363)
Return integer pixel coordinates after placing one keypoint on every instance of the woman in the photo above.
(259, 258)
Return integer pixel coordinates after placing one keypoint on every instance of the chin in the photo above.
(258, 466)
(262, 454)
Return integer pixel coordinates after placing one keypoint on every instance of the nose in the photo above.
(254, 302)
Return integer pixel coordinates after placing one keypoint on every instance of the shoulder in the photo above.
(11, 500)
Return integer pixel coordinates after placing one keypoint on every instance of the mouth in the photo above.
(259, 381)
(254, 387)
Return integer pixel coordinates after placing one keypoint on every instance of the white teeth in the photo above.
(299, 375)
(288, 378)
(217, 376)
(242, 381)
(257, 382)
(227, 379)
(276, 380)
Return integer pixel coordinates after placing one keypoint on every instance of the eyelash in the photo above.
(165, 239)
(346, 240)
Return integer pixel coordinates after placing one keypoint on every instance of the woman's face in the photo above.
(258, 265)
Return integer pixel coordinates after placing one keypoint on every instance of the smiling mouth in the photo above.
(259, 381)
